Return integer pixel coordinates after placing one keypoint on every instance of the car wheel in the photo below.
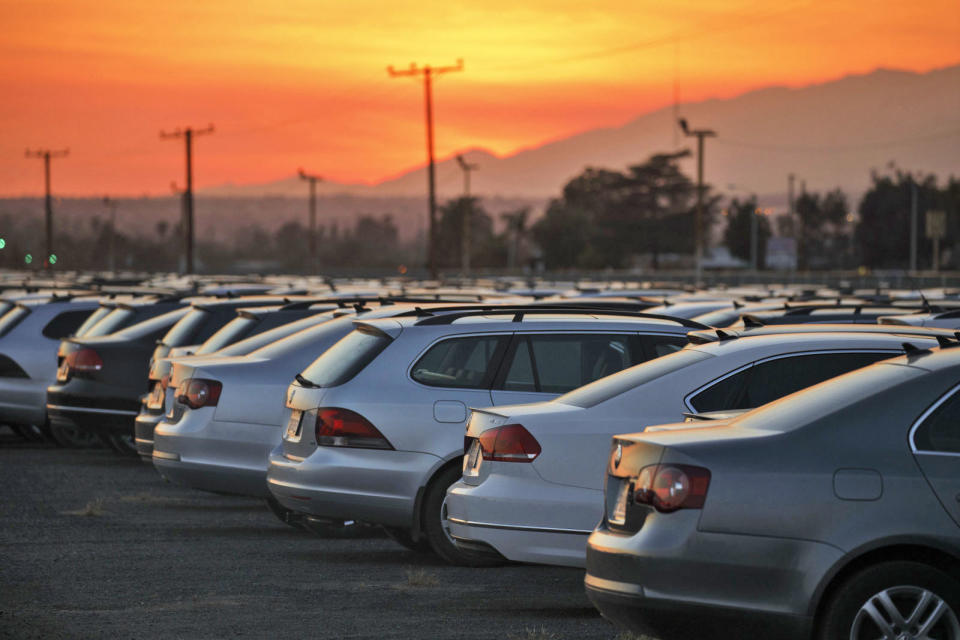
(29, 432)
(284, 515)
(73, 438)
(897, 600)
(405, 538)
(436, 528)
(122, 443)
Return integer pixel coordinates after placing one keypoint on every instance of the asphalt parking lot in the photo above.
(98, 546)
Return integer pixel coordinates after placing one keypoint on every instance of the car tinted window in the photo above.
(773, 379)
(612, 386)
(155, 325)
(462, 363)
(111, 322)
(229, 333)
(92, 319)
(813, 403)
(65, 323)
(656, 346)
(284, 339)
(557, 363)
(12, 318)
(720, 319)
(348, 357)
(183, 331)
(941, 430)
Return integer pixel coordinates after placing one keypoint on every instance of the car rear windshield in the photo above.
(12, 318)
(153, 325)
(612, 386)
(275, 342)
(812, 403)
(113, 321)
(344, 360)
(229, 333)
(99, 314)
(186, 327)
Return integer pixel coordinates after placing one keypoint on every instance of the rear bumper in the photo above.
(84, 405)
(372, 485)
(671, 580)
(214, 455)
(143, 432)
(526, 519)
(627, 605)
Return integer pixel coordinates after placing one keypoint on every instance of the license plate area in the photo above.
(294, 426)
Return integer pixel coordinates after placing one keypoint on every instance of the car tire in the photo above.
(405, 538)
(435, 527)
(882, 601)
(29, 432)
(73, 438)
(284, 515)
(122, 443)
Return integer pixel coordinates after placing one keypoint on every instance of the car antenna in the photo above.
(751, 322)
(723, 335)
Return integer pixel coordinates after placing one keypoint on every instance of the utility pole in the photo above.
(700, 134)
(46, 154)
(428, 72)
(111, 206)
(312, 180)
(467, 215)
(187, 134)
(913, 224)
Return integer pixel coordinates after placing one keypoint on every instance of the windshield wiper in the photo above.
(306, 383)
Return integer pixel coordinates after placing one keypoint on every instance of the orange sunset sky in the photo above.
(291, 83)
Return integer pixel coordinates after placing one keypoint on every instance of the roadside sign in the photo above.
(936, 224)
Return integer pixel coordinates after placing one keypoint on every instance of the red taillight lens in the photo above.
(509, 443)
(84, 361)
(345, 428)
(668, 487)
(197, 393)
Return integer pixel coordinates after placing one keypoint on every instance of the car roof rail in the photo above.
(520, 312)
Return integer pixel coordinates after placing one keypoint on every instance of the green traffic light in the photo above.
(3, 243)
(53, 258)
(28, 258)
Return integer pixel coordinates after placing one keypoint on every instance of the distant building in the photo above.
(782, 253)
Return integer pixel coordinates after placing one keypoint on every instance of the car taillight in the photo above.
(669, 487)
(165, 382)
(197, 393)
(509, 443)
(344, 428)
(84, 361)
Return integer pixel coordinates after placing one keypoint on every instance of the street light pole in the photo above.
(700, 134)
(313, 180)
(467, 215)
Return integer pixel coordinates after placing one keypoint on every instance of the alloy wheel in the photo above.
(905, 613)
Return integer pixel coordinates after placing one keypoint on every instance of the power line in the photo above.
(847, 147)
(187, 134)
(47, 154)
(428, 72)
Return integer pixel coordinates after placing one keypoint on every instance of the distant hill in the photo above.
(828, 134)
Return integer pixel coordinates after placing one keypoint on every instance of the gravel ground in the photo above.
(98, 546)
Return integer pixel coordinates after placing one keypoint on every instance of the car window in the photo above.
(152, 326)
(557, 363)
(229, 333)
(186, 327)
(773, 379)
(941, 429)
(65, 323)
(602, 390)
(111, 322)
(92, 319)
(348, 357)
(656, 346)
(462, 363)
(287, 338)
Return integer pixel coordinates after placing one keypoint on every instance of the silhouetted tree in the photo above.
(822, 240)
(738, 236)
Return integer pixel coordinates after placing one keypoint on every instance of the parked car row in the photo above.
(722, 463)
